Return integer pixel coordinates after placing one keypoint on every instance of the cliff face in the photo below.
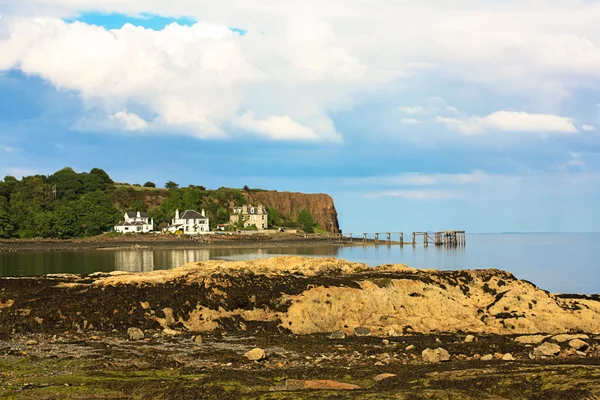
(320, 206)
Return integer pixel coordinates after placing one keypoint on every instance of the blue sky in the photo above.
(474, 116)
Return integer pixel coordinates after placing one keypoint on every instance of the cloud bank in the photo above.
(298, 65)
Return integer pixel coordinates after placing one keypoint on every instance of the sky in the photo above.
(476, 115)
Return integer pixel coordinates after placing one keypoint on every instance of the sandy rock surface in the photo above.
(299, 295)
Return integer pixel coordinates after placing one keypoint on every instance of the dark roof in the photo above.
(135, 223)
(133, 214)
(191, 214)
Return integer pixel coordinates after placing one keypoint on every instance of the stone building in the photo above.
(248, 215)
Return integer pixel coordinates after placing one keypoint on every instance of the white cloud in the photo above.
(416, 194)
(195, 80)
(410, 121)
(511, 121)
(306, 60)
(129, 121)
(276, 127)
(7, 149)
(412, 110)
(588, 128)
(422, 179)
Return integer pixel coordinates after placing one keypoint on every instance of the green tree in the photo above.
(306, 222)
(171, 185)
(69, 184)
(6, 226)
(150, 184)
(273, 217)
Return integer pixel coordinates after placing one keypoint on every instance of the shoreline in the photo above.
(166, 242)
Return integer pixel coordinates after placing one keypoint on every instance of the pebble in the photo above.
(508, 357)
(410, 347)
(135, 334)
(469, 339)
(487, 357)
(385, 342)
(337, 335)
(381, 377)
(435, 356)
(255, 354)
(170, 332)
(362, 331)
(197, 339)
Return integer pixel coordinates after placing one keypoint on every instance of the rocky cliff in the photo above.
(294, 294)
(290, 204)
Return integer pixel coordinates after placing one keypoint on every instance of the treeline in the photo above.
(70, 204)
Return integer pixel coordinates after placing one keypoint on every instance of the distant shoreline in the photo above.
(171, 242)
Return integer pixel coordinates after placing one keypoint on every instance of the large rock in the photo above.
(255, 354)
(568, 337)
(312, 296)
(547, 349)
(434, 356)
(531, 339)
(578, 344)
(135, 334)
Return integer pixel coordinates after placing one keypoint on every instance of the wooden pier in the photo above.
(444, 238)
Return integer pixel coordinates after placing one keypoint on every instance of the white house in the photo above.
(190, 222)
(135, 222)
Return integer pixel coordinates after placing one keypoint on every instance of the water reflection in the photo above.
(148, 260)
(134, 260)
(556, 262)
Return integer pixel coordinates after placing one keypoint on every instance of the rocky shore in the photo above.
(296, 328)
(150, 241)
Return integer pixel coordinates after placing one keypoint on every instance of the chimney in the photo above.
(138, 214)
(203, 214)
(177, 214)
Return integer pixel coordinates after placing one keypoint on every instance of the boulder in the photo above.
(578, 344)
(531, 339)
(197, 339)
(546, 349)
(362, 331)
(255, 354)
(337, 335)
(435, 356)
(469, 339)
(135, 334)
(568, 337)
(508, 357)
(487, 357)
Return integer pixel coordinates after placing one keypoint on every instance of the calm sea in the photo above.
(568, 263)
